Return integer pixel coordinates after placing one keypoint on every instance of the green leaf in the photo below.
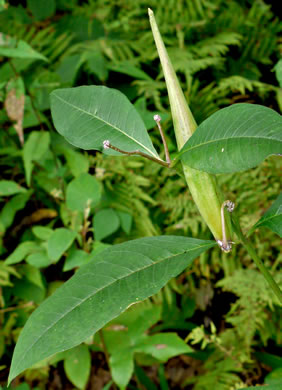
(77, 162)
(96, 64)
(69, 67)
(42, 9)
(22, 250)
(105, 222)
(234, 139)
(162, 378)
(278, 72)
(23, 386)
(269, 359)
(34, 149)
(264, 387)
(9, 187)
(123, 344)
(82, 192)
(163, 346)
(122, 367)
(130, 70)
(125, 221)
(76, 258)
(30, 287)
(274, 377)
(20, 49)
(3, 6)
(38, 259)
(99, 291)
(108, 386)
(42, 232)
(86, 116)
(10, 209)
(59, 241)
(77, 365)
(272, 219)
(144, 379)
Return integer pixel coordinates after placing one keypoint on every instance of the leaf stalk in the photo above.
(108, 145)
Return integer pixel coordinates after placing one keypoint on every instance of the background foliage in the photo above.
(224, 52)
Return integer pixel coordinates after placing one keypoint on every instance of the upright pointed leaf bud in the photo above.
(203, 186)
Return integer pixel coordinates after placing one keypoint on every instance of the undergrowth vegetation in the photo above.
(219, 318)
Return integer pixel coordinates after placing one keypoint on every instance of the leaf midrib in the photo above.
(102, 288)
(269, 218)
(227, 139)
(109, 124)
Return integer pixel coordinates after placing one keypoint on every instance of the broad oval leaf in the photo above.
(272, 219)
(82, 192)
(105, 222)
(234, 139)
(77, 365)
(59, 241)
(88, 115)
(99, 291)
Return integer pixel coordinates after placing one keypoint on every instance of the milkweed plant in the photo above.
(233, 139)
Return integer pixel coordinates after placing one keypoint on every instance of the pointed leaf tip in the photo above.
(87, 115)
(99, 291)
(233, 139)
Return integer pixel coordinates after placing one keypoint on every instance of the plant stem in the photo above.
(251, 251)
(12, 308)
(106, 353)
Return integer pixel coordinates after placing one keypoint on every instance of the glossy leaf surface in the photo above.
(99, 291)
(234, 139)
(86, 116)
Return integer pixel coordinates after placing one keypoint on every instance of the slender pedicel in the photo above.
(225, 244)
(158, 119)
(108, 145)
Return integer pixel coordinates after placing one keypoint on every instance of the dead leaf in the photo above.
(14, 106)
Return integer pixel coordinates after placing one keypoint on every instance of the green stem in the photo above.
(251, 251)
(105, 350)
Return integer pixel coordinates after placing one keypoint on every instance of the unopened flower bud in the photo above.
(106, 144)
(230, 206)
(157, 118)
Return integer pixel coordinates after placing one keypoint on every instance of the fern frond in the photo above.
(242, 85)
(217, 45)
(184, 61)
(151, 90)
(253, 308)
